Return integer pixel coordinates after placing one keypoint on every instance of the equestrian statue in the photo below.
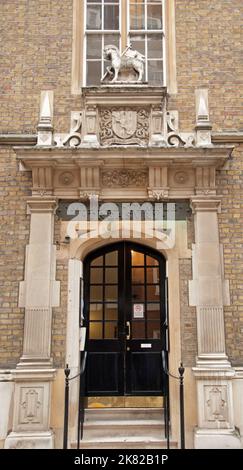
(122, 65)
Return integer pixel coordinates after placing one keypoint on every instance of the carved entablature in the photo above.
(123, 144)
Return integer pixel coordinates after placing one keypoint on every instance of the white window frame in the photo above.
(102, 32)
(145, 32)
(79, 52)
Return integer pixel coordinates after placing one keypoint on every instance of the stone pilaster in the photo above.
(208, 291)
(39, 292)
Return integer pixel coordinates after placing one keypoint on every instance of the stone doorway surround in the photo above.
(159, 163)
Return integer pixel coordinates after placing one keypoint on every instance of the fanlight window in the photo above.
(122, 22)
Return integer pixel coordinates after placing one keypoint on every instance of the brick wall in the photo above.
(14, 234)
(36, 54)
(230, 225)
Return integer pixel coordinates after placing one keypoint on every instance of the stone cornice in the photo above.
(18, 139)
(31, 139)
(51, 156)
(227, 137)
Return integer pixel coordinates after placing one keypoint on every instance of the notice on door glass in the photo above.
(138, 310)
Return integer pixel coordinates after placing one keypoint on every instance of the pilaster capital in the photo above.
(41, 205)
(200, 204)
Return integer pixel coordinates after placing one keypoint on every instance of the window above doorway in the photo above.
(148, 25)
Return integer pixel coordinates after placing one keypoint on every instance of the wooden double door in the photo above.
(124, 312)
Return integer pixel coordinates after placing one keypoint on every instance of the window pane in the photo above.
(111, 259)
(111, 275)
(93, 73)
(111, 311)
(155, 49)
(138, 293)
(96, 293)
(111, 330)
(95, 330)
(153, 329)
(153, 311)
(151, 261)
(152, 275)
(138, 329)
(95, 312)
(111, 17)
(153, 293)
(97, 261)
(137, 275)
(154, 17)
(93, 17)
(93, 46)
(96, 275)
(137, 258)
(155, 72)
(94, 1)
(138, 43)
(111, 293)
(112, 39)
(137, 15)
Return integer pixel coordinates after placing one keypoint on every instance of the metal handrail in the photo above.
(181, 371)
(66, 400)
(81, 408)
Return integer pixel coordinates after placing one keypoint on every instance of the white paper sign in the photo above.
(138, 311)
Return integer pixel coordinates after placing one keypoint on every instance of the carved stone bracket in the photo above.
(174, 137)
(73, 139)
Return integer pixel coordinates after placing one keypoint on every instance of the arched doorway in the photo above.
(125, 317)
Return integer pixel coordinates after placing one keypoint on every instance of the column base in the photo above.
(30, 440)
(217, 439)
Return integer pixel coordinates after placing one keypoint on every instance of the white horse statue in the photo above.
(129, 59)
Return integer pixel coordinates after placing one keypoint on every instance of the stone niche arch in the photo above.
(79, 249)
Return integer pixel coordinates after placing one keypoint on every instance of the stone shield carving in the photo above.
(124, 123)
(124, 126)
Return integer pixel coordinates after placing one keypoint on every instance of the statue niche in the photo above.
(127, 67)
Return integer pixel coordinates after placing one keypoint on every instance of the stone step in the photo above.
(124, 429)
(115, 414)
(134, 443)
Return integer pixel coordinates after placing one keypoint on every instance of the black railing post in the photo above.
(66, 405)
(182, 418)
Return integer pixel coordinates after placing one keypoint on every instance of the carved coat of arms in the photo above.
(124, 126)
(124, 123)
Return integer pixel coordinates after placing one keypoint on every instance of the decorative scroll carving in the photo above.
(158, 194)
(124, 126)
(174, 137)
(86, 195)
(216, 403)
(127, 67)
(31, 405)
(124, 178)
(73, 139)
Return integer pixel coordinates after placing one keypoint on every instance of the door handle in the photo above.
(128, 324)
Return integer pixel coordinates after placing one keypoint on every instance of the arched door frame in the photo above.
(75, 295)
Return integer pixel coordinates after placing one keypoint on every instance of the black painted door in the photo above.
(124, 311)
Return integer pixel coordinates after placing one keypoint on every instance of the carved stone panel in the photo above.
(31, 405)
(216, 408)
(124, 178)
(124, 126)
